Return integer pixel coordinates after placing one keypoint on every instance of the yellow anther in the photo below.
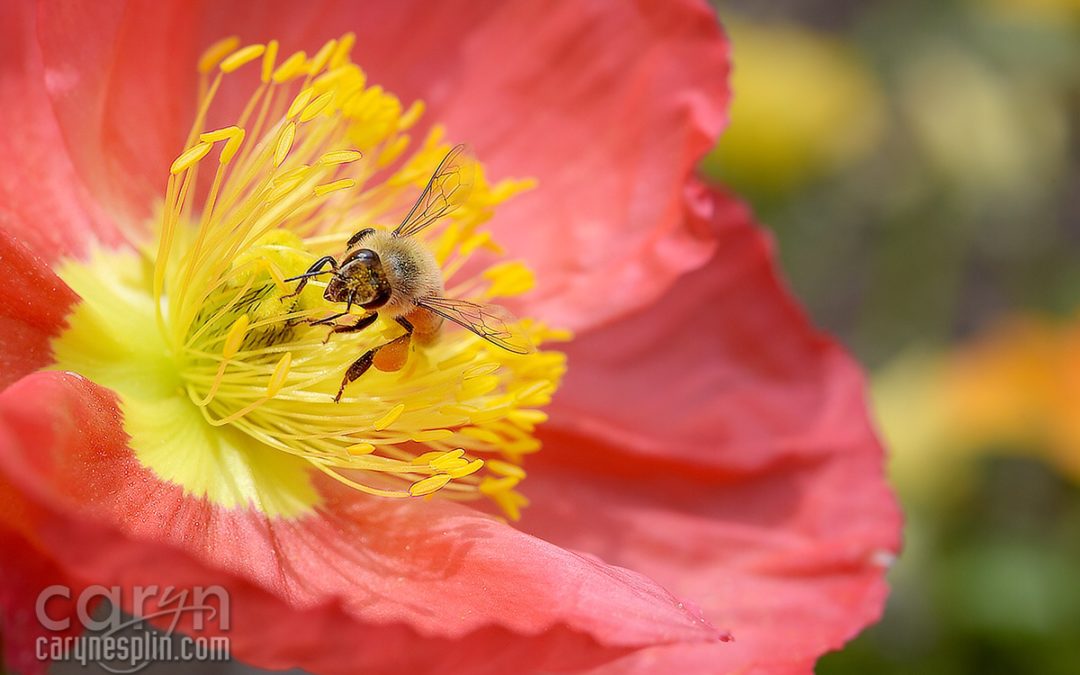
(445, 460)
(235, 337)
(315, 107)
(216, 52)
(189, 157)
(283, 186)
(392, 151)
(486, 435)
(341, 157)
(232, 146)
(222, 134)
(505, 469)
(241, 57)
(415, 111)
(343, 184)
(389, 418)
(470, 468)
(284, 144)
(426, 458)
(299, 102)
(480, 370)
(277, 379)
(429, 485)
(328, 80)
(360, 449)
(269, 57)
(509, 279)
(342, 50)
(293, 66)
(321, 57)
(527, 418)
(491, 486)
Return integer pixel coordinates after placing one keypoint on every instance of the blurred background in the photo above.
(919, 164)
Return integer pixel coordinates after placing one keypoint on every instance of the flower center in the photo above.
(227, 374)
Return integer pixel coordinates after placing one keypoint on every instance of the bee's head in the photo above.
(360, 280)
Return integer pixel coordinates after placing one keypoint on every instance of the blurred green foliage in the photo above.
(918, 163)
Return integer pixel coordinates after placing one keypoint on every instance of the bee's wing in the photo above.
(491, 322)
(448, 189)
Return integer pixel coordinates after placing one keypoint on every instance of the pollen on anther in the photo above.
(389, 418)
(241, 57)
(429, 485)
(343, 184)
(360, 449)
(315, 107)
(321, 57)
(505, 469)
(235, 337)
(216, 52)
(341, 157)
(284, 144)
(189, 157)
(268, 60)
(467, 470)
(300, 102)
(277, 379)
(292, 66)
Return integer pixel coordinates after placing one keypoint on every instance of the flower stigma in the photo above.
(225, 386)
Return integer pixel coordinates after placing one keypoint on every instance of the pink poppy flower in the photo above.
(708, 468)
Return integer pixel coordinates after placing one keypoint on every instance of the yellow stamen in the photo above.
(292, 66)
(268, 60)
(216, 52)
(343, 184)
(341, 157)
(315, 107)
(277, 380)
(429, 485)
(389, 418)
(189, 157)
(300, 102)
(242, 57)
(284, 143)
(315, 155)
(321, 57)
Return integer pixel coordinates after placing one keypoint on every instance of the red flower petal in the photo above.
(609, 105)
(725, 360)
(42, 200)
(33, 305)
(737, 465)
(409, 586)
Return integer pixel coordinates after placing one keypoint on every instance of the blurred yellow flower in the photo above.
(803, 105)
(1019, 385)
(1016, 388)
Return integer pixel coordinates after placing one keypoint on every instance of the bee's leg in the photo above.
(313, 271)
(388, 357)
(358, 368)
(361, 323)
(393, 355)
(326, 320)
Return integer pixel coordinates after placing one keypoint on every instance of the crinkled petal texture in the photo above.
(707, 437)
(722, 447)
(402, 586)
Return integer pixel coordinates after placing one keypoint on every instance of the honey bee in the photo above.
(391, 274)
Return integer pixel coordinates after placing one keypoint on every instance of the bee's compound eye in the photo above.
(363, 256)
(366, 256)
(359, 236)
